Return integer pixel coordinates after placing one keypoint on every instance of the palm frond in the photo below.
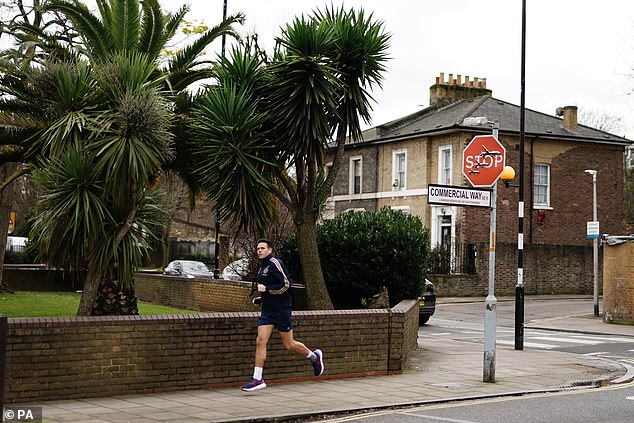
(151, 40)
(304, 89)
(71, 210)
(95, 36)
(231, 150)
(125, 24)
(171, 22)
(187, 56)
(359, 55)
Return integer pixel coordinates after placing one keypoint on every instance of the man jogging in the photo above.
(276, 301)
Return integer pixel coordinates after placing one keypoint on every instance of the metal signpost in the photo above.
(483, 162)
(593, 232)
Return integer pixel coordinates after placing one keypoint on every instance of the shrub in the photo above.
(362, 252)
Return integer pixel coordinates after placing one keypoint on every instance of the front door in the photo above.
(443, 235)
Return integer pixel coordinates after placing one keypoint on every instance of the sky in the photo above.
(578, 52)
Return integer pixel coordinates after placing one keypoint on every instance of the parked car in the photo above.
(237, 270)
(426, 303)
(188, 269)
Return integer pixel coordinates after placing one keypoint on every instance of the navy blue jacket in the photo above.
(274, 276)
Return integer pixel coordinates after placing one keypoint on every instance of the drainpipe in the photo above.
(3, 344)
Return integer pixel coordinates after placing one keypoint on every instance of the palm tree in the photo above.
(142, 26)
(266, 116)
(107, 99)
(98, 157)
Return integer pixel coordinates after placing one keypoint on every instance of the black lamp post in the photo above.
(519, 288)
(217, 243)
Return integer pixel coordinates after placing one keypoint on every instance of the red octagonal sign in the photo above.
(483, 160)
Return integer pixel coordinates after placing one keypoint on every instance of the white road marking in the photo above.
(530, 344)
(436, 418)
(604, 338)
(573, 341)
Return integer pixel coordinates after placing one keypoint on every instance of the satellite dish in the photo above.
(559, 111)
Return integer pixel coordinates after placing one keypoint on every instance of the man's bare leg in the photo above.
(292, 345)
(264, 333)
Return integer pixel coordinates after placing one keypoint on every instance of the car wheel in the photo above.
(423, 319)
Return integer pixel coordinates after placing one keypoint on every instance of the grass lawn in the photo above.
(62, 304)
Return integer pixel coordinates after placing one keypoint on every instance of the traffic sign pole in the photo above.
(490, 304)
(483, 161)
(593, 232)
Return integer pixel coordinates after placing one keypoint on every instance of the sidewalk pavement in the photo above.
(440, 370)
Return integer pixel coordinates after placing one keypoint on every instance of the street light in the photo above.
(217, 243)
(519, 287)
(595, 242)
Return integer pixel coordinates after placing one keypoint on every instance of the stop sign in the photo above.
(483, 160)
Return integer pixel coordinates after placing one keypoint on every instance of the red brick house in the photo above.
(395, 162)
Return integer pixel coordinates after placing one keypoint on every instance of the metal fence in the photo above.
(459, 259)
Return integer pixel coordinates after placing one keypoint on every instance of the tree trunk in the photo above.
(89, 290)
(6, 202)
(317, 293)
(93, 279)
(114, 300)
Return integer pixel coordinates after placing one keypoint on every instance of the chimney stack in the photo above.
(443, 93)
(570, 118)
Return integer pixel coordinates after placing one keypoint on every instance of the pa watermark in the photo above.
(22, 414)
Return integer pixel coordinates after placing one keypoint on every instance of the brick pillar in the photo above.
(618, 286)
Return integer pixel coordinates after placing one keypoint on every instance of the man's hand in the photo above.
(261, 288)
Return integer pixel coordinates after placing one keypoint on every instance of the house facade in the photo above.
(394, 164)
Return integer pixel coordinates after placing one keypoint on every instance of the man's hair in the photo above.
(266, 241)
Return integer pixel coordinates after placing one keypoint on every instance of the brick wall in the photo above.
(37, 277)
(62, 358)
(458, 285)
(203, 294)
(193, 294)
(570, 196)
(618, 283)
(548, 269)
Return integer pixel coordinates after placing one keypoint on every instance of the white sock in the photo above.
(311, 356)
(257, 373)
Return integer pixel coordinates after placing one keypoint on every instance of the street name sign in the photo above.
(458, 196)
(483, 160)
(592, 229)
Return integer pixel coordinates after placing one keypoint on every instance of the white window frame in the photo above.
(327, 169)
(546, 204)
(629, 157)
(442, 166)
(351, 177)
(395, 172)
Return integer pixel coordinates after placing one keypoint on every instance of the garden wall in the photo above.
(63, 358)
(37, 277)
(203, 294)
(548, 269)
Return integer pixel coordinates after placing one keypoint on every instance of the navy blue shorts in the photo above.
(281, 319)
